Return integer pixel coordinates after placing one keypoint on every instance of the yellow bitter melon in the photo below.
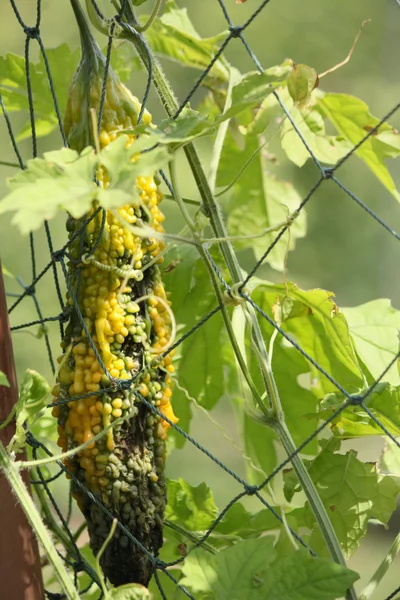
(127, 314)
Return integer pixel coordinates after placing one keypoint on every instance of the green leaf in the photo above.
(301, 82)
(389, 463)
(131, 591)
(64, 180)
(301, 577)
(173, 36)
(313, 320)
(234, 573)
(320, 328)
(254, 87)
(239, 522)
(4, 380)
(199, 368)
(384, 404)
(244, 571)
(374, 327)
(33, 397)
(352, 119)
(269, 202)
(352, 493)
(62, 64)
(191, 507)
(59, 181)
(327, 149)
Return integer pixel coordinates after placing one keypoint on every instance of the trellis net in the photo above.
(236, 292)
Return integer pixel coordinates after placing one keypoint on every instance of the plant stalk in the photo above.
(381, 570)
(33, 516)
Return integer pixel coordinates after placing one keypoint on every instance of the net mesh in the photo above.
(57, 267)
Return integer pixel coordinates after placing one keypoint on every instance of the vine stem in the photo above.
(33, 516)
(212, 211)
(59, 533)
(381, 570)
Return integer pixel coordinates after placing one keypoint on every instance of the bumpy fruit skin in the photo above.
(124, 306)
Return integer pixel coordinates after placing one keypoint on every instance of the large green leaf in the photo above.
(374, 327)
(63, 180)
(352, 492)
(315, 322)
(198, 362)
(352, 119)
(243, 571)
(268, 200)
(233, 574)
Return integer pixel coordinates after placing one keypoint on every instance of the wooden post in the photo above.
(20, 570)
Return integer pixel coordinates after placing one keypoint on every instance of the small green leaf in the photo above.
(374, 327)
(131, 591)
(255, 87)
(191, 507)
(352, 119)
(33, 397)
(310, 125)
(390, 459)
(173, 36)
(62, 64)
(383, 402)
(239, 522)
(301, 82)
(4, 380)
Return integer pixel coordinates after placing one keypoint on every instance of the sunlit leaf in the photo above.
(352, 119)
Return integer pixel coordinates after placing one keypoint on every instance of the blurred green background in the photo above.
(344, 251)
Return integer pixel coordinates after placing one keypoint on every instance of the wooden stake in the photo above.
(20, 570)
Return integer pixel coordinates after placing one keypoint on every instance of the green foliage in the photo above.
(245, 571)
(4, 380)
(248, 554)
(130, 591)
(191, 507)
(383, 402)
(174, 36)
(33, 397)
(352, 492)
(374, 328)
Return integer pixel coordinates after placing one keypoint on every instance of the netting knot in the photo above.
(57, 255)
(159, 564)
(327, 172)
(122, 384)
(30, 290)
(234, 295)
(251, 490)
(31, 32)
(235, 31)
(63, 317)
(31, 440)
(356, 399)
